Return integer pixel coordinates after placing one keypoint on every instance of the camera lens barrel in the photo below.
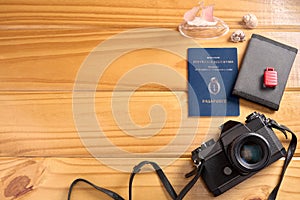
(250, 152)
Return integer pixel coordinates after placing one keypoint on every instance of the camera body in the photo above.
(240, 152)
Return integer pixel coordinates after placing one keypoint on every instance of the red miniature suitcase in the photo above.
(270, 77)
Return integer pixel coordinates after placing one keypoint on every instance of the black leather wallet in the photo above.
(261, 53)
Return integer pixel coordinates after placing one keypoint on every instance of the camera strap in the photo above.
(110, 193)
(197, 172)
(288, 156)
(163, 178)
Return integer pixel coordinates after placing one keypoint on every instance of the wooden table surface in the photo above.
(45, 44)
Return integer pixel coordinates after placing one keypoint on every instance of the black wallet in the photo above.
(261, 53)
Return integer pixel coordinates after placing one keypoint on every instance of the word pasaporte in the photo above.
(214, 100)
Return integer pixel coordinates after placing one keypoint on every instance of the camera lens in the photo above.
(250, 152)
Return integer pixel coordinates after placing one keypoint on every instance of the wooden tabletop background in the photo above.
(43, 44)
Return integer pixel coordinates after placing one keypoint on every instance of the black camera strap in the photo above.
(197, 172)
(166, 183)
(110, 193)
(288, 156)
(163, 178)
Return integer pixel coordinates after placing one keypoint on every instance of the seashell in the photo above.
(250, 20)
(238, 36)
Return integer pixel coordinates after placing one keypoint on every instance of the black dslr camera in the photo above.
(240, 152)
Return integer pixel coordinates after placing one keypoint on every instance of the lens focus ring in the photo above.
(250, 152)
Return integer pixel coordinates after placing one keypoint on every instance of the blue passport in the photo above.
(211, 76)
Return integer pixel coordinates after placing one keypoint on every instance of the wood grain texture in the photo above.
(47, 121)
(53, 65)
(43, 45)
(54, 175)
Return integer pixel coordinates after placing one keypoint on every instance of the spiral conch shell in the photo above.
(250, 20)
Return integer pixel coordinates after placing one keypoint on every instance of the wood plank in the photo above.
(42, 124)
(39, 65)
(43, 46)
(137, 13)
(54, 175)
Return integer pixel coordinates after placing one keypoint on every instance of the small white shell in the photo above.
(238, 36)
(250, 20)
